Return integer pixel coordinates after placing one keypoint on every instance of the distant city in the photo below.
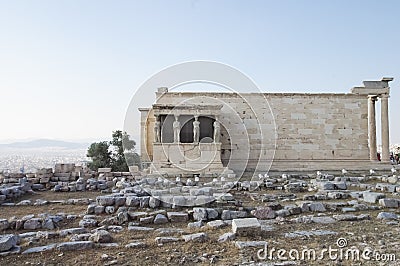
(32, 155)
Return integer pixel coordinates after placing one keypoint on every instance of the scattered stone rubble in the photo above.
(160, 208)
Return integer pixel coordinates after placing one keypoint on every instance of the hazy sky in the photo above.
(68, 69)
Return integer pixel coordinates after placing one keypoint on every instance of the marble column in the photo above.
(385, 127)
(372, 128)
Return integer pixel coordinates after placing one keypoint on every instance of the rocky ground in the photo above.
(334, 216)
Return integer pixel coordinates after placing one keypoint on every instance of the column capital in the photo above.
(384, 96)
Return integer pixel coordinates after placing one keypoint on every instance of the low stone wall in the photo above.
(64, 178)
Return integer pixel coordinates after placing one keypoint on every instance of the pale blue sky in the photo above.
(68, 69)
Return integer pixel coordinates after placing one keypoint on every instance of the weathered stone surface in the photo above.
(211, 214)
(163, 240)
(88, 223)
(144, 202)
(309, 233)
(294, 210)
(178, 201)
(101, 236)
(132, 201)
(27, 235)
(109, 209)
(47, 234)
(69, 231)
(99, 209)
(40, 249)
(168, 231)
(4, 224)
(13, 250)
(79, 237)
(317, 207)
(372, 197)
(154, 202)
(246, 226)
(323, 220)
(200, 214)
(197, 224)
(160, 219)
(227, 237)
(25, 203)
(217, 224)
(198, 237)
(105, 200)
(7, 242)
(392, 179)
(48, 224)
(119, 201)
(387, 216)
(146, 220)
(337, 195)
(351, 217)
(348, 209)
(340, 185)
(389, 203)
(229, 215)
(78, 245)
(364, 216)
(264, 213)
(224, 196)
(140, 228)
(250, 244)
(32, 224)
(137, 215)
(326, 185)
(40, 202)
(136, 244)
(282, 213)
(178, 216)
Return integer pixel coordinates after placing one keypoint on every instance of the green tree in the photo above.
(100, 155)
(118, 154)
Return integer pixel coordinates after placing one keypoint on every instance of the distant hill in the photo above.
(45, 143)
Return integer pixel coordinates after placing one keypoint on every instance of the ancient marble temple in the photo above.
(205, 132)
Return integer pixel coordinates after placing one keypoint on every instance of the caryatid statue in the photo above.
(217, 131)
(196, 129)
(157, 131)
(177, 129)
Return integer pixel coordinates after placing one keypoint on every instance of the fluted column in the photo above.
(372, 128)
(385, 127)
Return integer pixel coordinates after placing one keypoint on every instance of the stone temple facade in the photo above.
(203, 132)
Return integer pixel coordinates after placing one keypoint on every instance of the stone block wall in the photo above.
(294, 130)
(64, 178)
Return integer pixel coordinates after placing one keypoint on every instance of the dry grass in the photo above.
(359, 233)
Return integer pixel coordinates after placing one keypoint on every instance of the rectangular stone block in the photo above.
(246, 226)
(372, 197)
(389, 203)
